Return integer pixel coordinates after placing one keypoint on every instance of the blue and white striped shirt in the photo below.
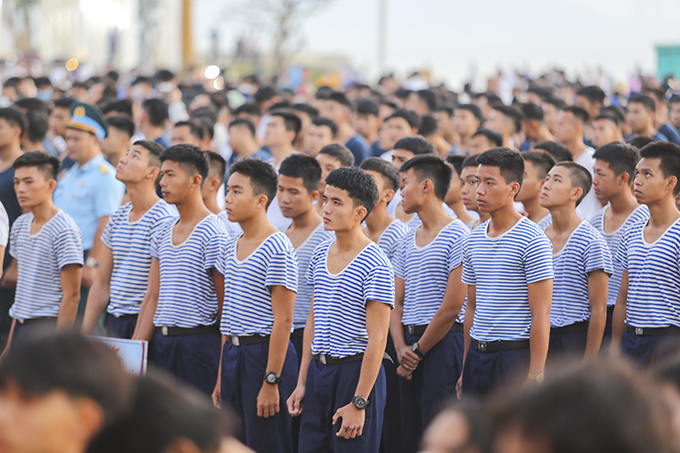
(415, 221)
(597, 221)
(501, 268)
(340, 299)
(129, 242)
(544, 222)
(305, 291)
(653, 276)
(585, 251)
(390, 238)
(40, 259)
(425, 271)
(187, 295)
(247, 284)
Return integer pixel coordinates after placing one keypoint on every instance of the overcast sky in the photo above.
(447, 36)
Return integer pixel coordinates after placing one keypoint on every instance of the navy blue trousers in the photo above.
(330, 387)
(392, 441)
(486, 372)
(433, 381)
(122, 327)
(193, 358)
(243, 369)
(649, 350)
(567, 345)
(34, 327)
(607, 336)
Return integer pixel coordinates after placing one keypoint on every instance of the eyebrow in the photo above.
(236, 186)
(644, 169)
(335, 199)
(558, 175)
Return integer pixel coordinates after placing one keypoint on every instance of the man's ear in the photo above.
(91, 417)
(182, 445)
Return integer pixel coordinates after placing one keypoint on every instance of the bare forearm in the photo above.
(97, 301)
(370, 366)
(598, 319)
(396, 327)
(68, 310)
(307, 355)
(538, 342)
(278, 344)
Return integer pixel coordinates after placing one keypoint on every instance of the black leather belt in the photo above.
(247, 339)
(168, 331)
(610, 309)
(414, 329)
(651, 331)
(571, 328)
(36, 320)
(123, 316)
(328, 360)
(298, 333)
(495, 346)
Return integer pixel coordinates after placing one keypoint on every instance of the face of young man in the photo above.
(182, 135)
(317, 138)
(276, 134)
(328, 164)
(334, 111)
(454, 193)
(134, 166)
(605, 183)
(339, 212)
(638, 117)
(386, 194)
(114, 142)
(479, 144)
(604, 131)
(240, 200)
(464, 122)
(294, 200)
(674, 116)
(397, 128)
(650, 184)
(80, 145)
(176, 184)
(411, 192)
(366, 124)
(566, 129)
(531, 184)
(399, 156)
(8, 133)
(493, 192)
(496, 122)
(468, 191)
(558, 189)
(583, 102)
(58, 120)
(549, 116)
(32, 187)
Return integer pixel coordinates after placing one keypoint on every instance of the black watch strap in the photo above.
(360, 402)
(272, 378)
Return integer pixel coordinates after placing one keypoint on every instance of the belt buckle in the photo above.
(411, 329)
(322, 358)
(483, 345)
(236, 341)
(639, 331)
(164, 330)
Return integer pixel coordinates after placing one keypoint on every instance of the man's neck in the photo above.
(432, 214)
(649, 131)
(346, 240)
(152, 132)
(10, 153)
(465, 141)
(43, 212)
(279, 153)
(503, 219)
(458, 208)
(249, 149)
(211, 203)
(306, 220)
(379, 220)
(663, 213)
(564, 218)
(534, 210)
(87, 159)
(371, 137)
(345, 133)
(506, 142)
(257, 226)
(623, 203)
(576, 146)
(142, 196)
(544, 135)
(192, 209)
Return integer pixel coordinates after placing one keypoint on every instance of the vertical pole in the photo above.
(187, 45)
(382, 36)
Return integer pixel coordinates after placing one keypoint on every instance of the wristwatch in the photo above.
(272, 378)
(360, 402)
(538, 378)
(415, 347)
(91, 262)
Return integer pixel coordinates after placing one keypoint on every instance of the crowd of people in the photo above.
(372, 269)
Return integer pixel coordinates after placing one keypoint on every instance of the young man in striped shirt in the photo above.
(258, 365)
(537, 164)
(646, 321)
(122, 278)
(48, 247)
(614, 172)
(507, 265)
(341, 380)
(581, 263)
(183, 304)
(427, 323)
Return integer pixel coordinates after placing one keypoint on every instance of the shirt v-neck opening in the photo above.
(240, 262)
(331, 274)
(172, 233)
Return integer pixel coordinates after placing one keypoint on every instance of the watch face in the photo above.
(360, 402)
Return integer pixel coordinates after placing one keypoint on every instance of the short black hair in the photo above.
(14, 117)
(494, 138)
(472, 108)
(389, 172)
(340, 153)
(248, 109)
(340, 98)
(417, 144)
(510, 113)
(217, 162)
(432, 168)
(621, 158)
(190, 157)
(195, 128)
(580, 177)
(557, 102)
(302, 166)
(164, 75)
(37, 126)
(155, 150)
(541, 160)
(609, 117)
(669, 154)
(66, 103)
(541, 91)
(579, 113)
(243, 122)
(33, 105)
(615, 110)
(655, 93)
(291, 121)
(157, 111)
(263, 178)
(646, 101)
(456, 162)
(470, 161)
(330, 124)
(46, 164)
(675, 99)
(509, 162)
(311, 112)
(162, 412)
(122, 124)
(368, 107)
(532, 112)
(358, 184)
(640, 142)
(123, 106)
(429, 98)
(593, 93)
(264, 94)
(411, 117)
(428, 126)
(66, 362)
(558, 151)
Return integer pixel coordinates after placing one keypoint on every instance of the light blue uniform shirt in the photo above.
(88, 193)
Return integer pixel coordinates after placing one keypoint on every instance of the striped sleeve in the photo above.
(622, 250)
(399, 257)
(597, 256)
(108, 231)
(282, 270)
(469, 277)
(213, 248)
(154, 246)
(455, 255)
(538, 259)
(68, 247)
(379, 285)
(13, 235)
